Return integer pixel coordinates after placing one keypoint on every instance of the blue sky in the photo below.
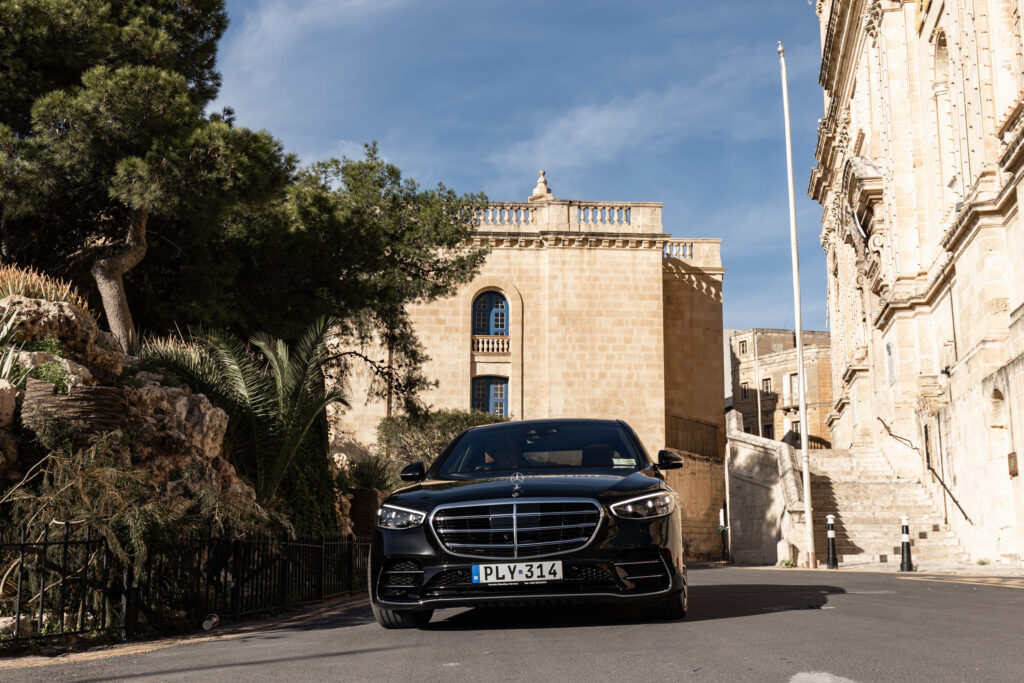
(675, 101)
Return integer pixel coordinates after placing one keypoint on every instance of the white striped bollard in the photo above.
(906, 563)
(832, 560)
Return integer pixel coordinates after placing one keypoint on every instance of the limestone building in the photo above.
(764, 366)
(585, 309)
(920, 155)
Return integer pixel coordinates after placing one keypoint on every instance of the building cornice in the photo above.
(852, 371)
(704, 253)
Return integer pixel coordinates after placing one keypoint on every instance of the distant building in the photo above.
(582, 309)
(764, 365)
(727, 366)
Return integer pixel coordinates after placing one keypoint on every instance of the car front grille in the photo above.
(516, 529)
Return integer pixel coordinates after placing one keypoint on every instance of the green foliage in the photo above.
(372, 473)
(274, 396)
(982, 562)
(52, 372)
(422, 436)
(789, 564)
(102, 127)
(50, 345)
(370, 243)
(10, 369)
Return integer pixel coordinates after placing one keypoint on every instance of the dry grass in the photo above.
(36, 285)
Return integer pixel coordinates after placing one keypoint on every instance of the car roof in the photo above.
(547, 422)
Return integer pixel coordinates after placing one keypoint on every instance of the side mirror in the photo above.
(414, 472)
(669, 460)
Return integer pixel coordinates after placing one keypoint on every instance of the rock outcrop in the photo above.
(178, 436)
(84, 342)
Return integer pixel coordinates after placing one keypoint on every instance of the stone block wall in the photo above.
(700, 484)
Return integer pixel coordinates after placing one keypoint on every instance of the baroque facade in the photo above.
(583, 309)
(920, 156)
(764, 366)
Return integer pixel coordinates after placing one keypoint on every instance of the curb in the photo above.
(234, 631)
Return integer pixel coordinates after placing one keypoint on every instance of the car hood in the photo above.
(606, 488)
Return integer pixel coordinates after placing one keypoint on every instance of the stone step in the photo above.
(871, 486)
(861, 488)
(883, 543)
(871, 527)
(893, 559)
(918, 512)
(857, 528)
(875, 549)
(856, 497)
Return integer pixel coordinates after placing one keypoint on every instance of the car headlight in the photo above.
(394, 517)
(645, 507)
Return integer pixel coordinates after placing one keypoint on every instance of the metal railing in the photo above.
(69, 582)
(910, 444)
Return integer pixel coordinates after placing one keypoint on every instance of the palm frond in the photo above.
(273, 394)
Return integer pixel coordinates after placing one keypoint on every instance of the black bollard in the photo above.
(906, 564)
(832, 560)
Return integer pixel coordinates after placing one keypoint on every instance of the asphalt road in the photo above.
(744, 625)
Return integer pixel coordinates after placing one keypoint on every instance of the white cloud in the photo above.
(718, 104)
(274, 28)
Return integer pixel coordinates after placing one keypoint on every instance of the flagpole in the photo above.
(809, 522)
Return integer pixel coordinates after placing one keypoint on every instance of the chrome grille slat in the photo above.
(522, 528)
(540, 527)
(546, 543)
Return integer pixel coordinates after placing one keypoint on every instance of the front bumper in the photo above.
(627, 562)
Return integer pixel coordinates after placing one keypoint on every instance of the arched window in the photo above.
(490, 315)
(490, 394)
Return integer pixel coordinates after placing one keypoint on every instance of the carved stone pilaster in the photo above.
(872, 19)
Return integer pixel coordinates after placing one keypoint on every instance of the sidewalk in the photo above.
(297, 619)
(932, 567)
(929, 567)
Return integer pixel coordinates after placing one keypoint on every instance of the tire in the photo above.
(392, 618)
(670, 609)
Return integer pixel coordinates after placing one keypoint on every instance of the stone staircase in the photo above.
(861, 489)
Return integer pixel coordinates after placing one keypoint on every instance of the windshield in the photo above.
(568, 448)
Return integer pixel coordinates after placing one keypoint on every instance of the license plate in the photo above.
(517, 572)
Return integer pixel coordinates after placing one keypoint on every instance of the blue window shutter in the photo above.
(490, 394)
(490, 315)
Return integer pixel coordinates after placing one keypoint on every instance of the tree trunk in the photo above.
(109, 275)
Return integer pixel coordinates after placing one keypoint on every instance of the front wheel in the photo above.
(671, 608)
(394, 618)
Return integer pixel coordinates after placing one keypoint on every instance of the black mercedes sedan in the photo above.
(533, 512)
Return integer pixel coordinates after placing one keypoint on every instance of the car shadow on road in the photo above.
(706, 603)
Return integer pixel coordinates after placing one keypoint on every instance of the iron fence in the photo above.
(68, 582)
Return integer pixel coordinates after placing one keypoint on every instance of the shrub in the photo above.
(372, 473)
(36, 285)
(50, 345)
(52, 372)
(411, 438)
(92, 487)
